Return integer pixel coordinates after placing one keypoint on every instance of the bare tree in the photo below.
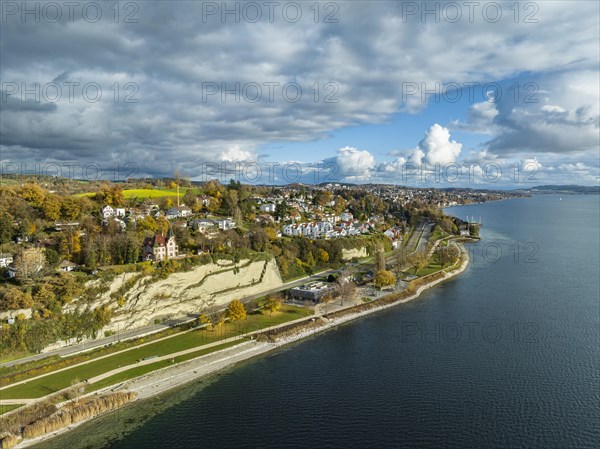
(29, 263)
(446, 254)
(346, 289)
(380, 259)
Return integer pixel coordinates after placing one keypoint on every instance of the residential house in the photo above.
(390, 234)
(202, 225)
(160, 247)
(291, 230)
(5, 259)
(330, 218)
(66, 266)
(179, 212)
(269, 207)
(205, 200)
(58, 226)
(107, 212)
(226, 223)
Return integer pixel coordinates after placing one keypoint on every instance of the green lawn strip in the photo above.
(14, 356)
(141, 370)
(437, 234)
(7, 408)
(54, 363)
(432, 268)
(19, 372)
(55, 382)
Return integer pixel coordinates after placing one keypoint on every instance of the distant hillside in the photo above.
(567, 189)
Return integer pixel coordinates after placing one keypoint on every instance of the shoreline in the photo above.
(172, 377)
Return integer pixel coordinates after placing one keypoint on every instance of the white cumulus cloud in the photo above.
(354, 163)
(437, 148)
(236, 154)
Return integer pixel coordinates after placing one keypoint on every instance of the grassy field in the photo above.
(145, 369)
(437, 234)
(150, 193)
(7, 408)
(431, 268)
(54, 382)
(15, 356)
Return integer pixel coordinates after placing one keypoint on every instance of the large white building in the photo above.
(108, 211)
(321, 229)
(225, 223)
(270, 207)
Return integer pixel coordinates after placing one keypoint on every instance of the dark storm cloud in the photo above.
(166, 60)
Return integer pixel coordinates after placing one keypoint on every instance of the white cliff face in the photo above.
(359, 253)
(187, 292)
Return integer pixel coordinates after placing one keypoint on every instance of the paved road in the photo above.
(427, 230)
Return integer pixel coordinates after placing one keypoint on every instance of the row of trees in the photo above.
(236, 311)
(35, 335)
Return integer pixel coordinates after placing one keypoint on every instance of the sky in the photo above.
(484, 94)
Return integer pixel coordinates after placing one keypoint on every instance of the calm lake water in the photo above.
(505, 356)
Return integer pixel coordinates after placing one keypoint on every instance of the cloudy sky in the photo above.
(414, 93)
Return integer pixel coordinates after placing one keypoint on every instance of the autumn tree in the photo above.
(384, 278)
(232, 198)
(340, 205)
(69, 244)
(271, 233)
(66, 287)
(213, 188)
(32, 193)
(214, 204)
(273, 304)
(322, 255)
(51, 207)
(203, 319)
(44, 295)
(146, 225)
(217, 321)
(190, 199)
(111, 195)
(236, 310)
(70, 209)
(163, 225)
(14, 298)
